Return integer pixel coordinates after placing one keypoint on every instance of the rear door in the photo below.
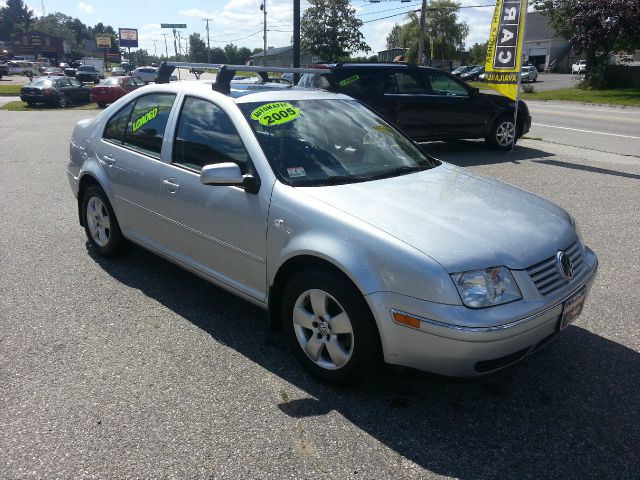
(129, 153)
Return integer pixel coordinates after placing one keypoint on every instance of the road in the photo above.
(596, 127)
(133, 368)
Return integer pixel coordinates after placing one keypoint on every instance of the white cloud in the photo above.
(86, 8)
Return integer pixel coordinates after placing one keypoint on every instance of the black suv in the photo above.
(88, 73)
(426, 103)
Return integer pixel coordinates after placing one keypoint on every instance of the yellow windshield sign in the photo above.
(504, 53)
(144, 119)
(275, 113)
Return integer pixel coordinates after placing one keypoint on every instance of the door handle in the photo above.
(171, 185)
(108, 160)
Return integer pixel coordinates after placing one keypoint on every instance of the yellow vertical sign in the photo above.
(504, 53)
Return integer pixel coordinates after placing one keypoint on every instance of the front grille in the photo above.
(546, 275)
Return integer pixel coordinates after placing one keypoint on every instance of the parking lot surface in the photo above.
(133, 368)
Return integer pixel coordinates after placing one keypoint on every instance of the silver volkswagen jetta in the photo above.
(310, 205)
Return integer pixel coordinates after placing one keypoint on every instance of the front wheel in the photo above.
(329, 327)
(503, 133)
(100, 223)
(63, 102)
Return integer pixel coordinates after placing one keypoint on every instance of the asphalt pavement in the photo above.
(133, 368)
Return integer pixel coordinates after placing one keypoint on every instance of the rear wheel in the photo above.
(503, 133)
(100, 223)
(102, 105)
(329, 327)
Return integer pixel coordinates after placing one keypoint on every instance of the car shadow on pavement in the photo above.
(570, 411)
(588, 168)
(469, 153)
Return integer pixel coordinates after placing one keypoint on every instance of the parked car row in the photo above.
(63, 91)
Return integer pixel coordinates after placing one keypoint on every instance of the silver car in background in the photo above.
(310, 205)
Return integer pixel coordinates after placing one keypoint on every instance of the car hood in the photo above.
(460, 219)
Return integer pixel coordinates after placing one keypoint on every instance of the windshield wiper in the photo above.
(331, 180)
(403, 170)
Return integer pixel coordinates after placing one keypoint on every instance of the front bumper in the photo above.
(457, 341)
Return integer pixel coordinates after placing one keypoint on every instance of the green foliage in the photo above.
(478, 53)
(331, 30)
(627, 96)
(15, 18)
(595, 28)
(444, 34)
(197, 48)
(393, 39)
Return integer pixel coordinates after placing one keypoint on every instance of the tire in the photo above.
(102, 105)
(63, 102)
(502, 135)
(100, 223)
(325, 315)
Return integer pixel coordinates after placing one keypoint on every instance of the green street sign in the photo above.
(173, 25)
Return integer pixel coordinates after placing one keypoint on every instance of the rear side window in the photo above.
(206, 135)
(357, 83)
(114, 131)
(146, 127)
(404, 83)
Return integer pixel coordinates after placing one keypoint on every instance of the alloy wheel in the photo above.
(98, 221)
(505, 133)
(323, 329)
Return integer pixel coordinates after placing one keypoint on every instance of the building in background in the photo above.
(37, 45)
(542, 48)
(392, 54)
(281, 57)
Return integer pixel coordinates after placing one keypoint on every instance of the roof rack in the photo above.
(227, 72)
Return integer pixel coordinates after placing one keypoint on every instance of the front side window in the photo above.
(326, 142)
(146, 127)
(443, 84)
(206, 135)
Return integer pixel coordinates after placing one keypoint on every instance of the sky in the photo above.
(240, 21)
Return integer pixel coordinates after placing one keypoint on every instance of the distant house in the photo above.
(281, 57)
(38, 45)
(542, 48)
(391, 54)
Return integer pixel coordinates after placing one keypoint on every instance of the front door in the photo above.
(217, 230)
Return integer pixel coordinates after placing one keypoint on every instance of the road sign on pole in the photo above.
(173, 25)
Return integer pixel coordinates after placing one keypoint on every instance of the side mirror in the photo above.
(229, 174)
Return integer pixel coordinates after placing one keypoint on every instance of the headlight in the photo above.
(486, 288)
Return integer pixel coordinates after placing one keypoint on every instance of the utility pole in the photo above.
(175, 44)
(263, 7)
(166, 50)
(296, 39)
(208, 45)
(423, 12)
(155, 53)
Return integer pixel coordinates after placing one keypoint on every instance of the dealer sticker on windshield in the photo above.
(296, 172)
(275, 113)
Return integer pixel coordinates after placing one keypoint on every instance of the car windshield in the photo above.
(327, 142)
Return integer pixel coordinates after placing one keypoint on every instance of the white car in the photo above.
(146, 74)
(579, 67)
(529, 73)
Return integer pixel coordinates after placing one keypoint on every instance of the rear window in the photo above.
(109, 81)
(357, 82)
(87, 69)
(42, 82)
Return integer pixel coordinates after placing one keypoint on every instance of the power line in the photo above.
(429, 9)
(236, 39)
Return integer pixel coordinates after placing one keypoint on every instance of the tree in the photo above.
(15, 17)
(393, 39)
(197, 48)
(478, 53)
(595, 28)
(231, 53)
(243, 55)
(218, 55)
(445, 35)
(330, 30)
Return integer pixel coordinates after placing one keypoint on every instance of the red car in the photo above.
(111, 89)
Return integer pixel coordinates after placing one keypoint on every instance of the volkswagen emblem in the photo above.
(324, 328)
(565, 265)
